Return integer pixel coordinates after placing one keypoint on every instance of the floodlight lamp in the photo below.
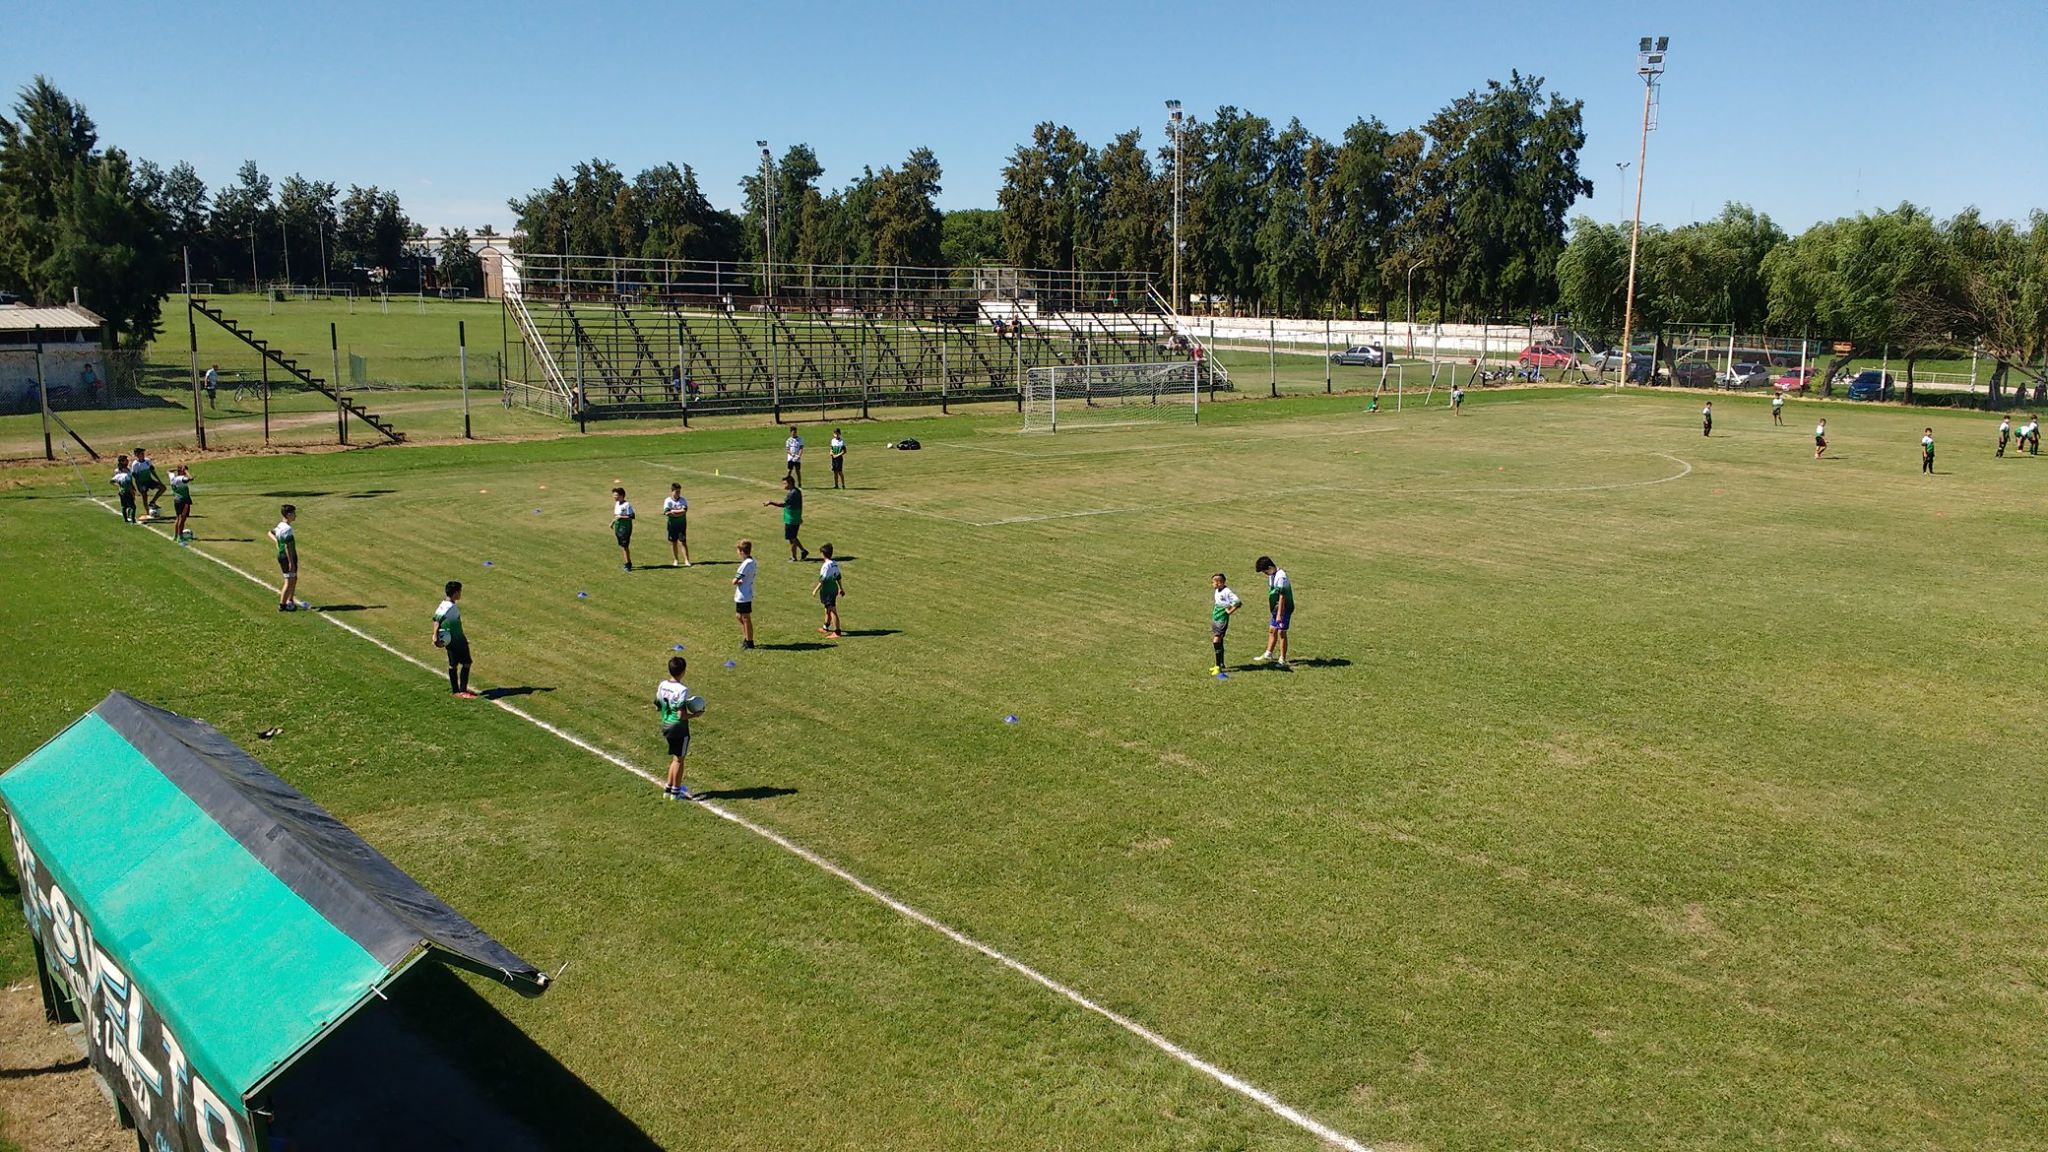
(1644, 46)
(1663, 43)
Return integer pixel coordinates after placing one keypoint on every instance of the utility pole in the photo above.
(1173, 127)
(1621, 168)
(1649, 65)
(767, 219)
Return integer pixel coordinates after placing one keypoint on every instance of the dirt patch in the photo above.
(48, 1101)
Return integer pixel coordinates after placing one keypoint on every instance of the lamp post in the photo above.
(767, 219)
(1621, 168)
(322, 223)
(1173, 128)
(284, 244)
(1649, 65)
(252, 256)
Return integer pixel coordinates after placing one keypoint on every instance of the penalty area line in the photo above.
(1242, 1087)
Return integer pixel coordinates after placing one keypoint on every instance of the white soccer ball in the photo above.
(694, 705)
(892, 443)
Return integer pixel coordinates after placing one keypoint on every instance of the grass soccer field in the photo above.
(1632, 788)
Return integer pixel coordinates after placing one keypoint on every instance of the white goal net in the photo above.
(1106, 395)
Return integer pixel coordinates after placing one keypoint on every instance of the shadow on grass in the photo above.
(1292, 665)
(293, 494)
(371, 493)
(760, 792)
(345, 607)
(435, 1065)
(872, 632)
(521, 690)
(799, 646)
(224, 539)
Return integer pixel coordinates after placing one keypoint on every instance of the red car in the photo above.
(1796, 380)
(1548, 356)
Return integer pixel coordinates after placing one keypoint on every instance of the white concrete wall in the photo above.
(1309, 336)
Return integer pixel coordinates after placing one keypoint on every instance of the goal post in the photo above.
(1110, 395)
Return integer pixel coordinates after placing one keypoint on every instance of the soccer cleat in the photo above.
(1262, 657)
(629, 567)
(746, 644)
(1215, 670)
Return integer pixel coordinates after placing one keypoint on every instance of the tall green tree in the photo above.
(1136, 206)
(75, 217)
(1050, 198)
(456, 264)
(307, 221)
(971, 238)
(904, 217)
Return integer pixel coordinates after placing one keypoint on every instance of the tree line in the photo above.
(1898, 279)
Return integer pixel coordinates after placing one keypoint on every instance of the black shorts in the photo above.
(789, 531)
(829, 597)
(287, 565)
(458, 653)
(181, 505)
(677, 529)
(1217, 628)
(744, 607)
(839, 463)
(678, 738)
(623, 533)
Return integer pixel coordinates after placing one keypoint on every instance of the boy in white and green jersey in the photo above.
(675, 513)
(448, 635)
(829, 588)
(1280, 602)
(287, 541)
(181, 500)
(622, 525)
(671, 700)
(124, 484)
(1223, 606)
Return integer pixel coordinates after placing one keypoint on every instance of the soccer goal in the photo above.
(1108, 395)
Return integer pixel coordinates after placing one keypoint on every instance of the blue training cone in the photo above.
(679, 647)
(1010, 719)
(730, 664)
(582, 595)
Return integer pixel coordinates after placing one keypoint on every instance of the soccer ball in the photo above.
(303, 606)
(892, 443)
(694, 705)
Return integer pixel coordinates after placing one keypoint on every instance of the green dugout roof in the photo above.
(252, 919)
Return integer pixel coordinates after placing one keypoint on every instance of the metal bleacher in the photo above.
(606, 338)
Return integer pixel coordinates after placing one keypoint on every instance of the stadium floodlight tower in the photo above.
(1173, 128)
(767, 219)
(1649, 65)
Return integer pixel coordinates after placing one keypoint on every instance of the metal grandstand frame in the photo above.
(598, 337)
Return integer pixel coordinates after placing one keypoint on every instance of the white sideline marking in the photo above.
(1179, 446)
(777, 487)
(1244, 1088)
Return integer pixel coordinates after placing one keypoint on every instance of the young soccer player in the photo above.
(181, 501)
(287, 542)
(675, 512)
(147, 485)
(2004, 434)
(1820, 439)
(1778, 409)
(671, 699)
(829, 588)
(793, 449)
(2033, 435)
(838, 447)
(1927, 451)
(448, 634)
(1280, 602)
(792, 505)
(743, 593)
(212, 384)
(622, 525)
(1457, 399)
(1223, 606)
(1707, 419)
(124, 484)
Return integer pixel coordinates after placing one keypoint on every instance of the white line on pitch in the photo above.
(1242, 1087)
(856, 500)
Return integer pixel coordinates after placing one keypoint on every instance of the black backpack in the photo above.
(908, 445)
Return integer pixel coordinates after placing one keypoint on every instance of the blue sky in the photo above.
(1807, 109)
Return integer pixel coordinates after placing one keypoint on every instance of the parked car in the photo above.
(1547, 356)
(1749, 375)
(1796, 380)
(1871, 384)
(1693, 374)
(1365, 355)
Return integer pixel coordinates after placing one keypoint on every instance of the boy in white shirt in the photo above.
(1778, 409)
(1927, 452)
(1820, 439)
(1707, 419)
(838, 448)
(2004, 434)
(1280, 603)
(743, 593)
(793, 448)
(1223, 606)
(675, 512)
(829, 588)
(622, 525)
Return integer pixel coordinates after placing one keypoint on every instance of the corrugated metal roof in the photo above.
(67, 318)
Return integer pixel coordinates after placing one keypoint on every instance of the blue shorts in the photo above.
(1280, 619)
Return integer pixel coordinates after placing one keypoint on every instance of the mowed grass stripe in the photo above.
(1664, 814)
